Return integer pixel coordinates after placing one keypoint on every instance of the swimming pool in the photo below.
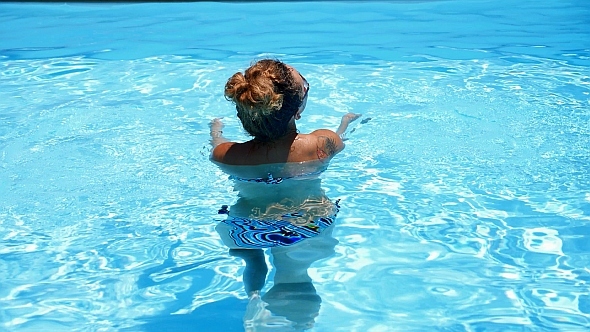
(464, 200)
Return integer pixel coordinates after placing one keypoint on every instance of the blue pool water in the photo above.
(465, 199)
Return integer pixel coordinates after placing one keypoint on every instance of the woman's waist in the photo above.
(288, 208)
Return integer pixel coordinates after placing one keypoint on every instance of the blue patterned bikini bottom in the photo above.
(254, 233)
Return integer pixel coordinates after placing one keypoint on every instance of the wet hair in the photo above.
(266, 97)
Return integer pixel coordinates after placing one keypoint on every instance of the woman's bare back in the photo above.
(320, 145)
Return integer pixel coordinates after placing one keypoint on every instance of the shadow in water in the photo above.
(223, 316)
(220, 316)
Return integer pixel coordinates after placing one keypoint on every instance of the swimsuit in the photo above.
(256, 233)
(272, 180)
(268, 180)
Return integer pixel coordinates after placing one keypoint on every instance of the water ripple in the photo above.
(465, 200)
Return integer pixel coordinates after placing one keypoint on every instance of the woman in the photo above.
(280, 198)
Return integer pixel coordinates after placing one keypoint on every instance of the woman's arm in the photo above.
(329, 143)
(346, 120)
(220, 144)
(216, 132)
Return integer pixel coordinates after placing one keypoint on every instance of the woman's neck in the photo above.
(289, 135)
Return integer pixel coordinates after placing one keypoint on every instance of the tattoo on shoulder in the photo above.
(326, 147)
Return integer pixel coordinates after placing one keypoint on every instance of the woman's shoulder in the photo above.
(235, 153)
(220, 152)
(327, 143)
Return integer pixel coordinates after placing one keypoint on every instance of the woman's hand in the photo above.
(349, 117)
(216, 125)
(346, 120)
(216, 132)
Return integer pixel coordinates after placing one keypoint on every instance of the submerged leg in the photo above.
(255, 271)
